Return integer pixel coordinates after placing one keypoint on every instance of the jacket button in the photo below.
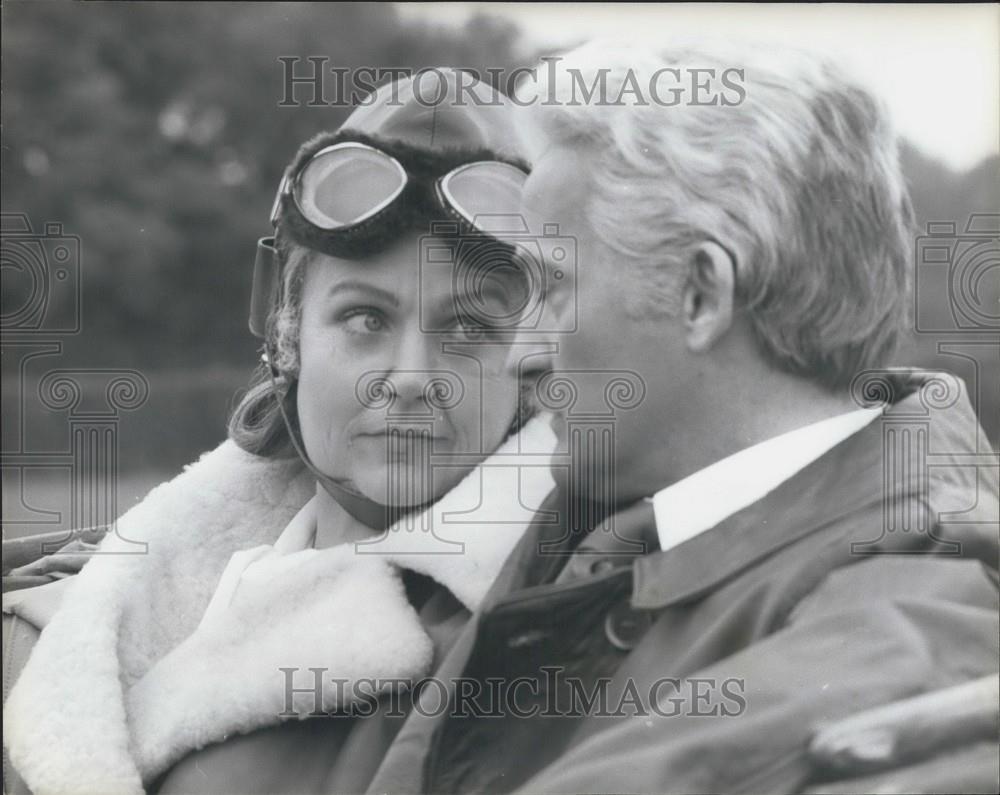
(524, 639)
(625, 626)
(602, 565)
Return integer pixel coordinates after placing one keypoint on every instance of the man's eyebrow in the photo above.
(349, 285)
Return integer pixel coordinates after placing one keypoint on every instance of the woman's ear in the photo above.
(708, 296)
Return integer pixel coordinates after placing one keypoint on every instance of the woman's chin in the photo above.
(401, 485)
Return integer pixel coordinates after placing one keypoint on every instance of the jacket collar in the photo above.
(917, 405)
(885, 462)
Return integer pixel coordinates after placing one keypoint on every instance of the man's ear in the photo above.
(708, 296)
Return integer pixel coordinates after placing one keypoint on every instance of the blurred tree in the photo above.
(153, 131)
(942, 195)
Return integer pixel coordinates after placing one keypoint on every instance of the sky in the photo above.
(936, 66)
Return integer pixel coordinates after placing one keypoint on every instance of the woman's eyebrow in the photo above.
(350, 285)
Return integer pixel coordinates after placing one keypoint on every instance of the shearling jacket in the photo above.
(123, 682)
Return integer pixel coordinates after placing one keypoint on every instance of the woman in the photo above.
(361, 508)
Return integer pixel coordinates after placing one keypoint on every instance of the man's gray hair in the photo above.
(798, 177)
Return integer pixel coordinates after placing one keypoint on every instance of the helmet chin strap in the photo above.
(367, 511)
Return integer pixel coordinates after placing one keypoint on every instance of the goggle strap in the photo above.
(367, 511)
(266, 276)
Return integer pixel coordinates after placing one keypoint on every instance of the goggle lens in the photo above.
(347, 184)
(487, 194)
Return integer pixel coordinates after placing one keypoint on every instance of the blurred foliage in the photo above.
(153, 132)
(940, 194)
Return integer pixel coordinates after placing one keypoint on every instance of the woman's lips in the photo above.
(402, 432)
(404, 443)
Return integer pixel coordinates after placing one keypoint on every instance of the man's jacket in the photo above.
(869, 576)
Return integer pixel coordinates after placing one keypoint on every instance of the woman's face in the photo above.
(401, 392)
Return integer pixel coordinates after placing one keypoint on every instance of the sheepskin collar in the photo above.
(123, 682)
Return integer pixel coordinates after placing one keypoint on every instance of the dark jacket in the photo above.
(869, 576)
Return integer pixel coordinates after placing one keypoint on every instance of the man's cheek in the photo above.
(579, 349)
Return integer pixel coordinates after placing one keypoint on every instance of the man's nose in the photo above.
(543, 328)
(532, 354)
(534, 350)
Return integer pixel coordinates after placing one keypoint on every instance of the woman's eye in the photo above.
(364, 321)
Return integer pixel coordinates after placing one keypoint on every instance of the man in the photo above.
(770, 550)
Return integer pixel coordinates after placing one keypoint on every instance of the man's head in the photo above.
(745, 258)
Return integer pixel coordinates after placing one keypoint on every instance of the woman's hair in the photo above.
(257, 424)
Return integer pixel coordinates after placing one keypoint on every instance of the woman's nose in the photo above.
(415, 367)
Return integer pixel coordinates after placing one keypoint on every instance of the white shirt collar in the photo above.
(707, 497)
